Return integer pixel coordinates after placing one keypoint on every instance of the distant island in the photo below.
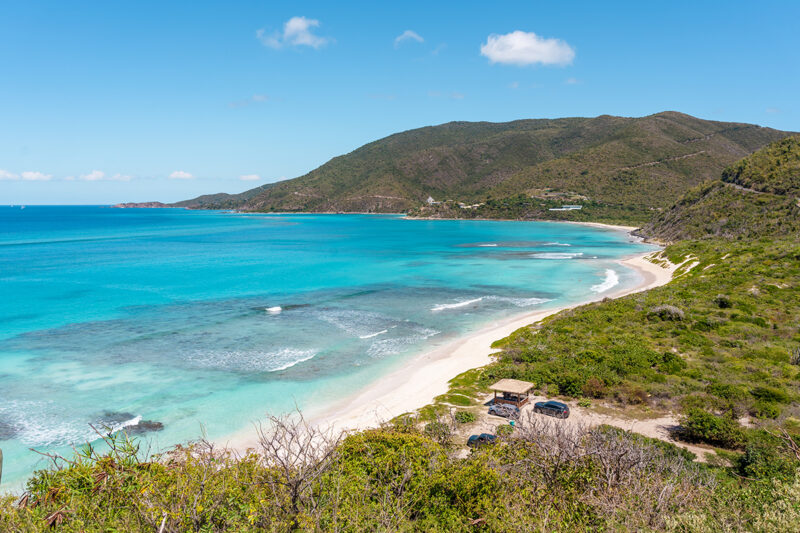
(620, 170)
(148, 205)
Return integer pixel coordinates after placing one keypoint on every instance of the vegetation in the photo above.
(621, 169)
(757, 196)
(549, 476)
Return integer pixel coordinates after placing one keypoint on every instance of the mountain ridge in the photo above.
(621, 168)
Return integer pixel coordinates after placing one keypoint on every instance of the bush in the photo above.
(570, 384)
(765, 410)
(465, 417)
(701, 426)
(671, 363)
(631, 394)
(594, 388)
(439, 432)
(722, 301)
(505, 430)
(770, 394)
(667, 312)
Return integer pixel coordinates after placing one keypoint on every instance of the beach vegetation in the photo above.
(545, 476)
(465, 417)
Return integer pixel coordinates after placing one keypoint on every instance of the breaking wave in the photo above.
(442, 307)
(611, 280)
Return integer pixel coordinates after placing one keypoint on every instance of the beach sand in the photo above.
(426, 376)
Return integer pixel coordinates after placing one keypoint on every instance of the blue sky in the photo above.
(103, 102)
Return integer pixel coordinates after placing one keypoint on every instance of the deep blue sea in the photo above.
(203, 321)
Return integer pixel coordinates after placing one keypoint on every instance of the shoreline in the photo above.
(424, 377)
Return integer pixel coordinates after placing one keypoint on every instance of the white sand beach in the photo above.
(426, 376)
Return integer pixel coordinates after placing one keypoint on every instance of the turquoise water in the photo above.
(204, 321)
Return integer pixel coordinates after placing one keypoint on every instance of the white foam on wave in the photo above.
(395, 345)
(254, 360)
(274, 310)
(369, 336)
(309, 354)
(556, 244)
(556, 255)
(488, 245)
(611, 280)
(126, 424)
(442, 307)
(43, 424)
(519, 302)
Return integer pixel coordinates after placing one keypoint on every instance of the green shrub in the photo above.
(465, 417)
(505, 430)
(698, 425)
(570, 384)
(765, 410)
(439, 432)
(722, 301)
(671, 363)
(770, 394)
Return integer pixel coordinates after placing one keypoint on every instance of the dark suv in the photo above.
(481, 440)
(504, 410)
(552, 408)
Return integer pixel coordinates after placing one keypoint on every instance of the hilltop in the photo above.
(618, 168)
(755, 197)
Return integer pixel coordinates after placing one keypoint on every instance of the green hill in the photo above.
(755, 197)
(619, 168)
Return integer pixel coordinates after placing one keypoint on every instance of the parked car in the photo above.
(504, 410)
(481, 440)
(552, 408)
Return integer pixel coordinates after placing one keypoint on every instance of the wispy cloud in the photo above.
(255, 99)
(5, 175)
(180, 175)
(773, 110)
(526, 48)
(99, 175)
(297, 31)
(513, 85)
(30, 175)
(94, 175)
(408, 35)
(250, 177)
(572, 81)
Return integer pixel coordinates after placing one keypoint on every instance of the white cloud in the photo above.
(30, 175)
(250, 177)
(297, 31)
(120, 177)
(526, 48)
(513, 85)
(408, 35)
(180, 175)
(5, 175)
(94, 175)
(773, 110)
(572, 81)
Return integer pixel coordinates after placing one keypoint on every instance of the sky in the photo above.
(112, 101)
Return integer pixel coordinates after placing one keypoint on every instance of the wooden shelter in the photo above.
(512, 391)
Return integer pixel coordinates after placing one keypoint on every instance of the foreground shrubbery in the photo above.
(548, 476)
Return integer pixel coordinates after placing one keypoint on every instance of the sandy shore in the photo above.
(426, 376)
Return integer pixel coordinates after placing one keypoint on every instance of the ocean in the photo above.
(203, 321)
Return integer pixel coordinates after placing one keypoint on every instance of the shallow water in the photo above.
(203, 321)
